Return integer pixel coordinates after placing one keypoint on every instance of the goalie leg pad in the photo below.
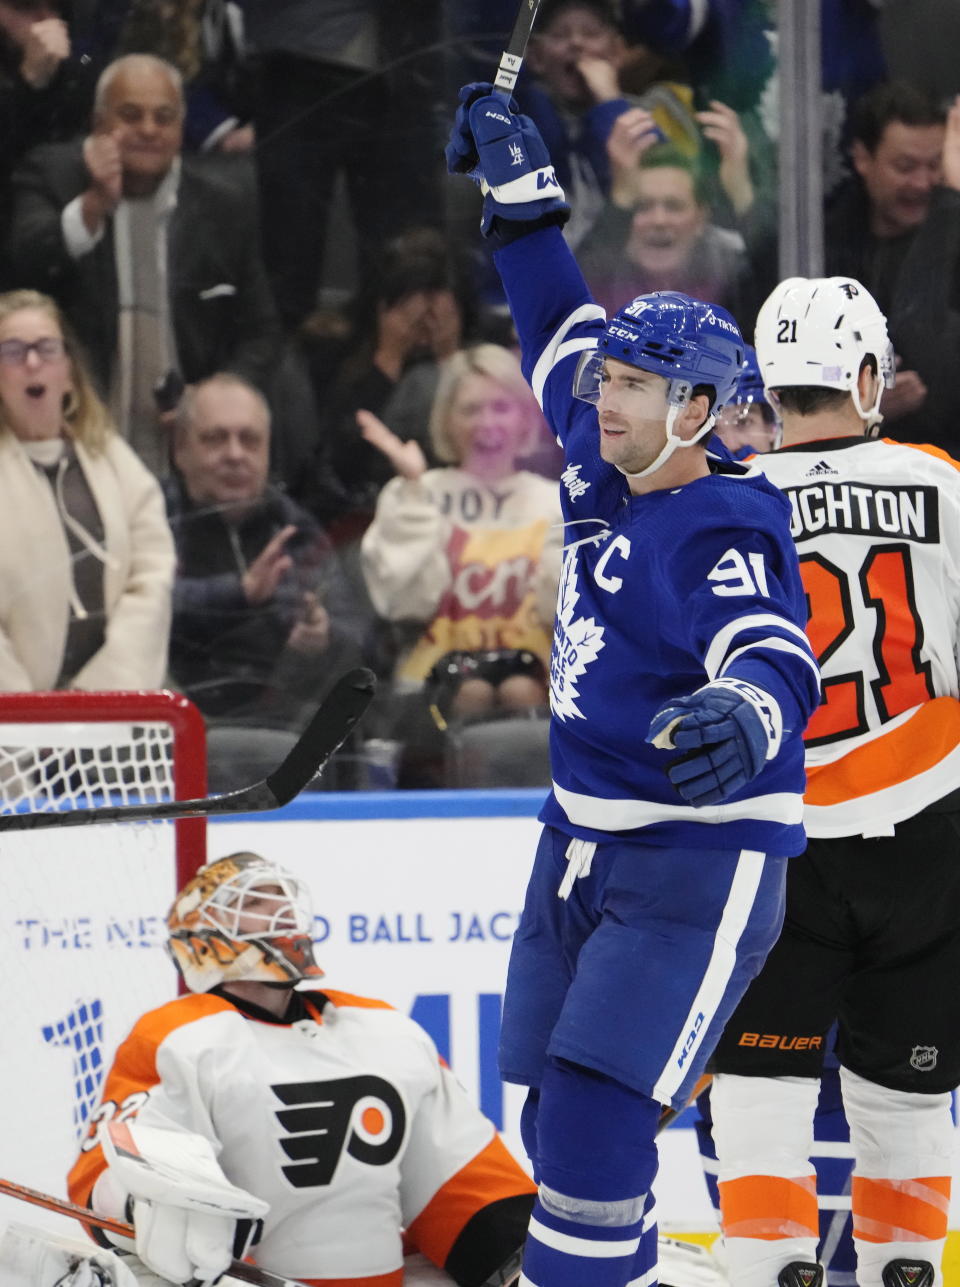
(40, 1258)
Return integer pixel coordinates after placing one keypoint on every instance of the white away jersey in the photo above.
(344, 1120)
(877, 527)
(659, 594)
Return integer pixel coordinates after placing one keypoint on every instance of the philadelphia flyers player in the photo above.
(314, 1131)
(871, 937)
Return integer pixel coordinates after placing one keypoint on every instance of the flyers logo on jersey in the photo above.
(363, 1117)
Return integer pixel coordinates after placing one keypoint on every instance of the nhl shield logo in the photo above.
(924, 1058)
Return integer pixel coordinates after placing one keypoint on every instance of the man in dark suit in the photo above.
(153, 255)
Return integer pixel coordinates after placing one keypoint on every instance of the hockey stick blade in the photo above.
(238, 1269)
(512, 58)
(329, 727)
(669, 1115)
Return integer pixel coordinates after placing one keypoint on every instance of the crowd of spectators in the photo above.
(234, 277)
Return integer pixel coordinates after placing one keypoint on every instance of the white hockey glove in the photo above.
(40, 1258)
(190, 1221)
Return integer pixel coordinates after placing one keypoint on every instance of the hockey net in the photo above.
(83, 908)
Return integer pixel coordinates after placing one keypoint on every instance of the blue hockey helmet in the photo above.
(671, 334)
(750, 388)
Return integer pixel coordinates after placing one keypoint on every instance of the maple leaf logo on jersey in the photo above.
(576, 643)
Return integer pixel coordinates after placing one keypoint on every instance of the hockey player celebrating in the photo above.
(313, 1130)
(679, 628)
(872, 926)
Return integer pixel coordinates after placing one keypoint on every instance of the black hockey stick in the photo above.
(512, 58)
(339, 712)
(238, 1268)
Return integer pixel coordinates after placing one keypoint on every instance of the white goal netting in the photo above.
(82, 909)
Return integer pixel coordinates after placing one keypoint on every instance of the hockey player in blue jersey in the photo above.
(681, 682)
(748, 425)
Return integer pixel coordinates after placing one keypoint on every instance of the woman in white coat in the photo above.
(86, 555)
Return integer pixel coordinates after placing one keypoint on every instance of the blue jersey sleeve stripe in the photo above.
(719, 645)
(558, 347)
(774, 643)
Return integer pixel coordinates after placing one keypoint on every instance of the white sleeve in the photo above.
(404, 552)
(77, 238)
(447, 1133)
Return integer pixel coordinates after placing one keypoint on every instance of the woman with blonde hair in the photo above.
(470, 552)
(87, 566)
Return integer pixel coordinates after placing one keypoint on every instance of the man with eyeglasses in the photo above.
(153, 256)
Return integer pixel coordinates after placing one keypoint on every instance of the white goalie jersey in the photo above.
(341, 1118)
(877, 527)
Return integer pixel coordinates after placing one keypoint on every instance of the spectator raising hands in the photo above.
(46, 45)
(721, 125)
(467, 554)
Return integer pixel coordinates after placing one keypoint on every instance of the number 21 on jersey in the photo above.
(838, 606)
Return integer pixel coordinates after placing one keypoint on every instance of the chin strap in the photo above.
(872, 417)
(678, 400)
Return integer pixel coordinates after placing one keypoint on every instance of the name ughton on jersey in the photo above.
(884, 612)
(659, 594)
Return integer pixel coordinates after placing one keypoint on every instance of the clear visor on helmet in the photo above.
(888, 366)
(752, 423)
(643, 393)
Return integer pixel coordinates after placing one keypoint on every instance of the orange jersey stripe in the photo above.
(769, 1207)
(493, 1174)
(135, 1069)
(900, 1210)
(927, 448)
(901, 754)
(367, 1003)
(394, 1279)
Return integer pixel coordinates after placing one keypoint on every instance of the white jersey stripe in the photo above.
(719, 645)
(623, 815)
(557, 349)
(646, 1279)
(776, 645)
(571, 1245)
(736, 912)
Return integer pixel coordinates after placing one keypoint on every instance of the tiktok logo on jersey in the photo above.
(361, 1116)
(576, 643)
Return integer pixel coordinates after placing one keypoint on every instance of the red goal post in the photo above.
(176, 725)
(82, 909)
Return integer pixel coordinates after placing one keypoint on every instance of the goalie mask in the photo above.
(817, 332)
(675, 336)
(242, 918)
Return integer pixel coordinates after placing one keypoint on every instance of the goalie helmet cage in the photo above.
(82, 928)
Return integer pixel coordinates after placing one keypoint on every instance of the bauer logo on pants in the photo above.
(924, 1058)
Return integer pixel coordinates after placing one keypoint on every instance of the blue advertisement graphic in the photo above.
(81, 1031)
